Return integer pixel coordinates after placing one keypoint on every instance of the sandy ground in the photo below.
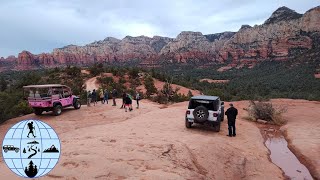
(214, 80)
(91, 84)
(302, 131)
(85, 72)
(224, 68)
(104, 142)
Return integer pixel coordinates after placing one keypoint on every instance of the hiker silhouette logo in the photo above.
(31, 148)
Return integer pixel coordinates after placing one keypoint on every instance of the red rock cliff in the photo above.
(279, 38)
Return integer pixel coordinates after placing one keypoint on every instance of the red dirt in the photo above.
(224, 68)
(153, 143)
(150, 143)
(215, 80)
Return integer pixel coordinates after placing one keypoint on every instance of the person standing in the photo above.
(114, 95)
(94, 97)
(137, 99)
(101, 96)
(106, 96)
(232, 113)
(89, 97)
(130, 102)
(127, 101)
(124, 96)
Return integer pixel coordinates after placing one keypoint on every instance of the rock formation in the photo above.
(280, 38)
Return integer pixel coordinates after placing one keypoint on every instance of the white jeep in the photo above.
(205, 110)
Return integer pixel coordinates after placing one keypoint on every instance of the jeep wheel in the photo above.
(57, 110)
(217, 127)
(5, 150)
(16, 150)
(188, 124)
(200, 113)
(77, 104)
(37, 111)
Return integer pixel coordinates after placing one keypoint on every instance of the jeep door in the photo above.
(67, 97)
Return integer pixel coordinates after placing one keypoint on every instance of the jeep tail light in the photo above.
(215, 114)
(188, 112)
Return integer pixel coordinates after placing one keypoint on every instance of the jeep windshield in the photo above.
(209, 104)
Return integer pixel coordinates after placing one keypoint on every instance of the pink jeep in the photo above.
(50, 97)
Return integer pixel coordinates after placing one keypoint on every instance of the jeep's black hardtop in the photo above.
(210, 102)
(203, 97)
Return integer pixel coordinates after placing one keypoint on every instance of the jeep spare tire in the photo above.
(200, 113)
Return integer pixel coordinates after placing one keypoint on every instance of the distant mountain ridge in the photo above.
(284, 35)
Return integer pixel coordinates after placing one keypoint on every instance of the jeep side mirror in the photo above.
(222, 103)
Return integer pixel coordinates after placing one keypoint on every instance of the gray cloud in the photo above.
(40, 26)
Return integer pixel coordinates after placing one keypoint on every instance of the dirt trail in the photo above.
(151, 143)
(91, 84)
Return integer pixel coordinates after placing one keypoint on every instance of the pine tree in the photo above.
(3, 84)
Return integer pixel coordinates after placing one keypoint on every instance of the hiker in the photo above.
(128, 103)
(94, 97)
(101, 95)
(124, 96)
(137, 99)
(232, 113)
(106, 96)
(114, 95)
(31, 129)
(89, 97)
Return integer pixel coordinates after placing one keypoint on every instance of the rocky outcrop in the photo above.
(283, 14)
(284, 35)
(26, 58)
(275, 41)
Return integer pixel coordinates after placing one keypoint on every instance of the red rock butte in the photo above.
(285, 34)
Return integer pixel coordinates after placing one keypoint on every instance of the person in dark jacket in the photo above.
(106, 96)
(114, 95)
(124, 96)
(127, 103)
(94, 97)
(232, 113)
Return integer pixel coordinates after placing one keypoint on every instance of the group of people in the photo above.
(93, 97)
(127, 101)
(104, 96)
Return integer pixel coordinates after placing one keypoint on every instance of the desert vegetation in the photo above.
(266, 111)
(265, 81)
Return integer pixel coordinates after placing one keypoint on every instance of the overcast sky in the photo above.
(40, 26)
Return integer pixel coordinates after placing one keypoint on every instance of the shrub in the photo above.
(149, 85)
(105, 80)
(266, 111)
(22, 108)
